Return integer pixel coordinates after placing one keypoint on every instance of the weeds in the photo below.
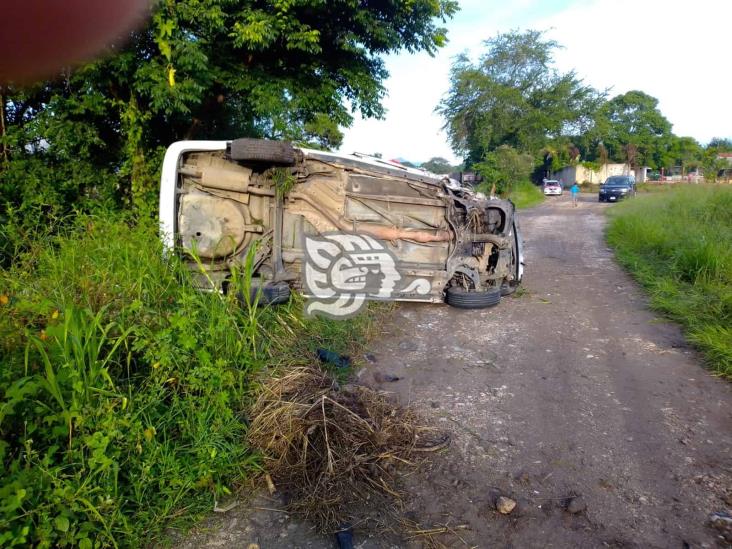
(333, 448)
(525, 194)
(123, 389)
(678, 244)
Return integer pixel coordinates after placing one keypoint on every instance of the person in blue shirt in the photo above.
(575, 193)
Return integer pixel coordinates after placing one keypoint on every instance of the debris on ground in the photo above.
(385, 378)
(225, 506)
(505, 505)
(344, 538)
(434, 536)
(334, 359)
(334, 450)
(723, 523)
(576, 505)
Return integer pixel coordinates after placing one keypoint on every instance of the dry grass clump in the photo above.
(331, 448)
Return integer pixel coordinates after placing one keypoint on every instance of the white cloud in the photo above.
(675, 51)
(412, 129)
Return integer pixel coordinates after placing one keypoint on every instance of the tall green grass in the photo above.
(123, 389)
(525, 194)
(678, 244)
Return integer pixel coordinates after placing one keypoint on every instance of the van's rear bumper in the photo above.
(168, 184)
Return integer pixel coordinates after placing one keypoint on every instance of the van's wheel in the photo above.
(280, 153)
(457, 296)
(507, 288)
(274, 294)
(269, 294)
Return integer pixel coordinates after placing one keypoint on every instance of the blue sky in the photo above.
(676, 51)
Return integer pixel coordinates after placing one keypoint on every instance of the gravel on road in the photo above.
(571, 398)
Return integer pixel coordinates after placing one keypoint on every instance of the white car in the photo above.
(552, 188)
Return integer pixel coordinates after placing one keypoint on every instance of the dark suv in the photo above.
(617, 187)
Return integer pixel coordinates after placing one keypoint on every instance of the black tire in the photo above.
(271, 294)
(508, 288)
(261, 151)
(457, 296)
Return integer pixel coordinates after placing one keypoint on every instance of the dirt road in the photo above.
(572, 389)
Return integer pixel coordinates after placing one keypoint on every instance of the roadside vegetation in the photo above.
(525, 194)
(678, 245)
(507, 172)
(656, 187)
(124, 390)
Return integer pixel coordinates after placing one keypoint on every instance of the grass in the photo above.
(525, 194)
(649, 187)
(678, 245)
(124, 391)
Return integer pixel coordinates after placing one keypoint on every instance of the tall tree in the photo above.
(684, 152)
(712, 163)
(514, 96)
(440, 165)
(633, 119)
(720, 144)
(213, 69)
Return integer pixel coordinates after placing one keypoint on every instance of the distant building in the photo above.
(726, 156)
(582, 174)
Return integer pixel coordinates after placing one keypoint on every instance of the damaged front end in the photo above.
(223, 201)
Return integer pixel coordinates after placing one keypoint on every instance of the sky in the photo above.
(675, 50)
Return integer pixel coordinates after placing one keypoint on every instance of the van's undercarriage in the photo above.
(225, 199)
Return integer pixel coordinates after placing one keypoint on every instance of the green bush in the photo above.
(525, 194)
(505, 167)
(123, 390)
(678, 244)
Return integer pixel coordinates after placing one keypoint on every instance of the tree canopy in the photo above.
(513, 108)
(514, 96)
(206, 69)
(439, 165)
(632, 121)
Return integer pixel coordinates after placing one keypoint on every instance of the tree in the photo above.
(602, 154)
(210, 69)
(720, 144)
(685, 152)
(711, 161)
(504, 167)
(514, 96)
(630, 153)
(439, 165)
(574, 154)
(633, 120)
